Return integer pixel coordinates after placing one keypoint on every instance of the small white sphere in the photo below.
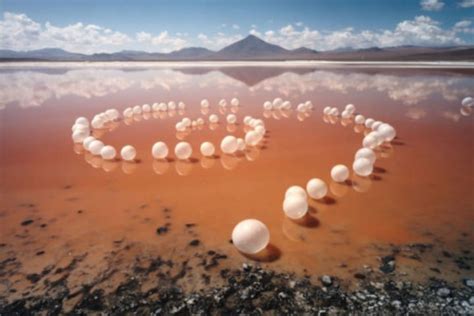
(339, 173)
(295, 206)
(128, 112)
(80, 127)
(286, 105)
(108, 152)
(370, 141)
(137, 109)
(180, 126)
(267, 105)
(362, 167)
(247, 120)
(366, 153)
(467, 101)
(350, 108)
(297, 191)
(250, 236)
(86, 142)
(146, 108)
(95, 147)
(334, 112)
(387, 132)
(82, 120)
(186, 121)
(346, 114)
(112, 114)
(200, 121)
(171, 105)
(204, 103)
(213, 118)
(252, 138)
(155, 107)
(181, 105)
(231, 119)
(309, 105)
(223, 103)
(301, 107)
(316, 188)
(207, 149)
(163, 107)
(260, 129)
(97, 122)
(327, 110)
(234, 102)
(79, 136)
(229, 144)
(159, 150)
(128, 153)
(183, 150)
(369, 122)
(240, 144)
(277, 102)
(359, 119)
(375, 125)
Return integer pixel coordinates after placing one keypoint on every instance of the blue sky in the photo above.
(93, 26)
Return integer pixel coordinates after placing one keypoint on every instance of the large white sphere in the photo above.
(365, 153)
(137, 109)
(240, 144)
(180, 126)
(339, 173)
(128, 112)
(370, 141)
(108, 152)
(146, 108)
(346, 114)
(362, 167)
(295, 190)
(387, 132)
(86, 142)
(82, 120)
(369, 122)
(350, 108)
(231, 119)
(223, 103)
(334, 112)
(378, 136)
(359, 119)
(159, 150)
(213, 118)
(207, 149)
(78, 136)
(97, 122)
(252, 138)
(186, 121)
(229, 144)
(286, 105)
(234, 102)
(250, 236)
(316, 188)
(267, 105)
(183, 150)
(172, 105)
(277, 102)
(260, 129)
(95, 147)
(467, 101)
(112, 114)
(204, 103)
(376, 125)
(327, 110)
(247, 120)
(295, 206)
(128, 153)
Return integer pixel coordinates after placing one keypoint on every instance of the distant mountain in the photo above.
(254, 48)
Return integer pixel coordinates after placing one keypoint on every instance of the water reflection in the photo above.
(33, 87)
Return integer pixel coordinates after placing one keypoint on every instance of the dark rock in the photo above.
(27, 222)
(162, 230)
(194, 242)
(33, 278)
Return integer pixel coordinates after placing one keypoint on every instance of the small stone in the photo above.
(194, 242)
(443, 292)
(326, 280)
(469, 283)
(359, 276)
(27, 222)
(162, 230)
(471, 300)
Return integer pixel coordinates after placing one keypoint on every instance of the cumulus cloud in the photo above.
(218, 40)
(235, 26)
(432, 5)
(466, 3)
(163, 40)
(422, 30)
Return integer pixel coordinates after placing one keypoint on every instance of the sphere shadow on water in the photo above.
(160, 166)
(361, 184)
(326, 200)
(184, 167)
(270, 253)
(307, 220)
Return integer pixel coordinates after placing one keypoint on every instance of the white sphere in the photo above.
(350, 108)
(146, 108)
(181, 105)
(366, 153)
(362, 167)
(108, 152)
(204, 103)
(163, 106)
(128, 112)
(97, 122)
(183, 150)
(229, 144)
(296, 190)
(82, 128)
(159, 150)
(369, 122)
(286, 105)
(240, 144)
(82, 120)
(359, 119)
(267, 105)
(346, 114)
(223, 103)
(250, 236)
(200, 121)
(128, 153)
(234, 102)
(316, 188)
(186, 121)
(95, 147)
(370, 141)
(309, 105)
(112, 114)
(207, 149)
(247, 120)
(327, 110)
(231, 119)
(339, 173)
(387, 132)
(137, 109)
(334, 112)
(180, 126)
(378, 136)
(155, 107)
(467, 101)
(277, 102)
(295, 206)
(86, 142)
(171, 105)
(260, 129)
(213, 118)
(375, 125)
(78, 136)
(252, 138)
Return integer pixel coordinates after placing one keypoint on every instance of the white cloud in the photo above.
(218, 40)
(163, 40)
(235, 26)
(464, 27)
(466, 3)
(432, 5)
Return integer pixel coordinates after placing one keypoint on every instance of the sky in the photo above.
(89, 26)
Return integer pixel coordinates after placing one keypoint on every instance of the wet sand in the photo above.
(82, 207)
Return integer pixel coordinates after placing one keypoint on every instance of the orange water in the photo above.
(421, 190)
